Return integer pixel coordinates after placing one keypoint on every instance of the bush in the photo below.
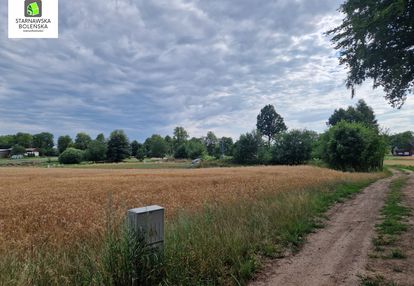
(293, 148)
(353, 147)
(71, 156)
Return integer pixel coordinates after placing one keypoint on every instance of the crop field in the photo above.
(402, 161)
(61, 206)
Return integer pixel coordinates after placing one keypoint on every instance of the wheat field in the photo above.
(62, 206)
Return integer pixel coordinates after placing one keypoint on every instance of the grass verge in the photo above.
(393, 223)
(221, 245)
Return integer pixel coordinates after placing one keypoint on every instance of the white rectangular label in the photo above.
(33, 19)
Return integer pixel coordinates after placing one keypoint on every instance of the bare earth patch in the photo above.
(336, 254)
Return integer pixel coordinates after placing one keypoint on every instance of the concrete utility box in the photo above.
(150, 221)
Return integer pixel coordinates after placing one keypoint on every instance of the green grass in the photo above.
(223, 244)
(36, 162)
(394, 212)
(393, 223)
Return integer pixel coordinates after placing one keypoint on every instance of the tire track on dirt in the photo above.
(336, 254)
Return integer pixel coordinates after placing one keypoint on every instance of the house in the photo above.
(30, 152)
(5, 153)
(404, 151)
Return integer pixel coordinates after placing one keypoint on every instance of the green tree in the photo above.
(294, 147)
(195, 148)
(155, 146)
(170, 144)
(247, 147)
(96, 151)
(82, 141)
(226, 146)
(118, 146)
(180, 137)
(7, 141)
(376, 40)
(71, 156)
(402, 141)
(353, 147)
(44, 142)
(211, 143)
(101, 138)
(140, 155)
(24, 139)
(270, 123)
(63, 143)
(134, 148)
(181, 152)
(362, 113)
(18, 150)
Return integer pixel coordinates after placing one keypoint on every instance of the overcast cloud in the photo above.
(147, 66)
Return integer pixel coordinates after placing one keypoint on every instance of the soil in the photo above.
(337, 254)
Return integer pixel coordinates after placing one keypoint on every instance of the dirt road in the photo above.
(336, 254)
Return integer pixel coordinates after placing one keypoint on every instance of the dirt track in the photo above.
(336, 254)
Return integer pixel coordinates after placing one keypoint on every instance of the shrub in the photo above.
(71, 156)
(353, 147)
(293, 148)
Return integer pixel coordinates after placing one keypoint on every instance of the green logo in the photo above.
(33, 8)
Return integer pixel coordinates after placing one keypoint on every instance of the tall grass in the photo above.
(221, 245)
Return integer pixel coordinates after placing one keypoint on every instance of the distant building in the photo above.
(4, 153)
(30, 152)
(404, 152)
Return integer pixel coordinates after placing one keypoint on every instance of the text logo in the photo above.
(33, 19)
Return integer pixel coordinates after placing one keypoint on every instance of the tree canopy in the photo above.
(376, 41)
(118, 146)
(362, 113)
(63, 143)
(270, 123)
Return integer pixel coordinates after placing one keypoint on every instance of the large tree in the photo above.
(270, 123)
(155, 146)
(82, 141)
(403, 141)
(64, 142)
(44, 142)
(24, 139)
(362, 113)
(376, 41)
(96, 151)
(211, 143)
(180, 137)
(118, 146)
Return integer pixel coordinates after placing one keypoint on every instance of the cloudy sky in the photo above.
(146, 66)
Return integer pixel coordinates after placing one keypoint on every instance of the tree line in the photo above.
(353, 141)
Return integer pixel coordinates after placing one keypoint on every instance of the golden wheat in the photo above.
(61, 206)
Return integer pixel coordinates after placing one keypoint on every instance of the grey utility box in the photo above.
(150, 222)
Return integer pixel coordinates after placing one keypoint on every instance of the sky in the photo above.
(148, 66)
